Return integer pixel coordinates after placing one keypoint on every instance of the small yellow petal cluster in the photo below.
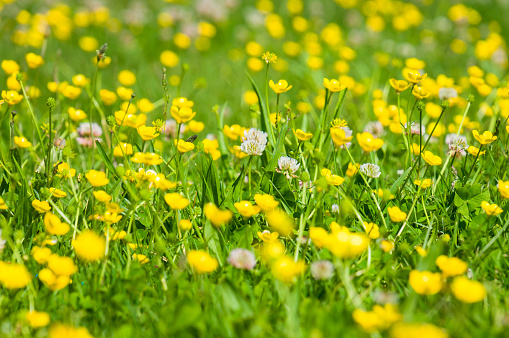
(491, 209)
(368, 142)
(396, 214)
(280, 87)
(331, 178)
(14, 275)
(340, 242)
(201, 261)
(147, 158)
(217, 216)
(378, 319)
(54, 226)
(451, 266)
(97, 178)
(176, 201)
(333, 85)
(247, 209)
(286, 269)
(485, 138)
(431, 159)
(41, 206)
(425, 282)
(89, 246)
(302, 135)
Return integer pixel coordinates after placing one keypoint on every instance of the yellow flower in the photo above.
(141, 258)
(53, 281)
(59, 330)
(130, 120)
(426, 183)
(368, 142)
(182, 102)
(451, 266)
(413, 76)
(346, 244)
(54, 226)
(491, 209)
(97, 178)
(3, 206)
(486, 137)
(145, 106)
(10, 67)
(102, 196)
(272, 250)
(333, 85)
(422, 252)
(399, 85)
(201, 261)
(387, 246)
(286, 270)
(176, 201)
(232, 132)
(22, 142)
(396, 214)
(11, 97)
(34, 60)
(372, 230)
(319, 236)
(80, 80)
(62, 266)
(503, 188)
(420, 92)
(185, 224)
(126, 78)
(246, 209)
(380, 318)
(196, 126)
(76, 114)
(184, 146)
(89, 246)
(71, 92)
(267, 236)
(302, 135)
(280, 221)
(41, 206)
(265, 202)
(182, 115)
(352, 169)
(123, 149)
(147, 133)
(37, 319)
(217, 216)
(339, 137)
(14, 276)
(417, 330)
(57, 193)
(64, 170)
(431, 159)
(468, 291)
(425, 282)
(41, 255)
(474, 151)
(107, 97)
(331, 178)
(147, 158)
(280, 87)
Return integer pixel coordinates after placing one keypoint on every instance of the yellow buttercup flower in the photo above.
(345, 244)
(387, 246)
(22, 142)
(468, 291)
(399, 85)
(280, 87)
(71, 92)
(417, 330)
(147, 133)
(426, 183)
(333, 85)
(89, 246)
(97, 178)
(182, 115)
(474, 151)
(141, 258)
(319, 236)
(80, 80)
(485, 138)
(247, 209)
(126, 78)
(184, 146)
(201, 261)
(76, 114)
(54, 226)
(267, 236)
(10, 67)
(368, 142)
(503, 188)
(147, 158)
(217, 216)
(265, 202)
(33, 60)
(352, 169)
(396, 214)
(196, 126)
(11, 97)
(182, 102)
(331, 178)
(420, 92)
(422, 252)
(372, 230)
(123, 149)
(41, 255)
(431, 159)
(102, 196)
(176, 201)
(62, 266)
(14, 276)
(451, 266)
(425, 282)
(286, 269)
(302, 135)
(491, 209)
(107, 97)
(339, 137)
(53, 281)
(41, 206)
(413, 76)
(37, 319)
(3, 206)
(130, 120)
(185, 224)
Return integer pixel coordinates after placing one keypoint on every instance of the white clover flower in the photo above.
(254, 142)
(457, 144)
(446, 93)
(2, 241)
(287, 166)
(416, 128)
(375, 128)
(322, 269)
(242, 259)
(370, 170)
(335, 208)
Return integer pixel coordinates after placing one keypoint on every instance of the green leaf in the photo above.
(212, 238)
(395, 186)
(105, 158)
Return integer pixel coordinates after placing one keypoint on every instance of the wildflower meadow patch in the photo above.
(228, 168)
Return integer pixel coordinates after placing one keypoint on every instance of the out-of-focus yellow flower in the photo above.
(76, 114)
(233, 132)
(425, 282)
(97, 178)
(201, 261)
(368, 142)
(372, 230)
(380, 318)
(102, 196)
(265, 202)
(431, 159)
(141, 258)
(107, 97)
(64, 170)
(280, 221)
(54, 226)
(169, 59)
(42, 207)
(183, 146)
(302, 135)
(71, 92)
(387, 246)
(196, 126)
(451, 266)
(182, 115)
(126, 78)
(217, 216)
(426, 183)
(420, 92)
(485, 138)
(352, 169)
(33, 60)
(247, 209)
(88, 43)
(176, 201)
(267, 236)
(123, 149)
(399, 85)
(331, 178)
(474, 151)
(37, 319)
(11, 97)
(80, 80)
(89, 246)
(22, 142)
(10, 67)
(147, 133)
(185, 224)
(467, 291)
(413, 76)
(346, 244)
(14, 276)
(147, 158)
(503, 188)
(415, 330)
(286, 269)
(396, 214)
(333, 85)
(491, 209)
(41, 255)
(280, 87)
(130, 120)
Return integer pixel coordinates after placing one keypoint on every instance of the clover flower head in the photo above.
(370, 170)
(335, 208)
(446, 93)
(322, 269)
(254, 142)
(2, 241)
(457, 144)
(416, 128)
(375, 128)
(287, 166)
(242, 259)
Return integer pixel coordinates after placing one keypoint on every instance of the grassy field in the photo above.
(229, 168)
